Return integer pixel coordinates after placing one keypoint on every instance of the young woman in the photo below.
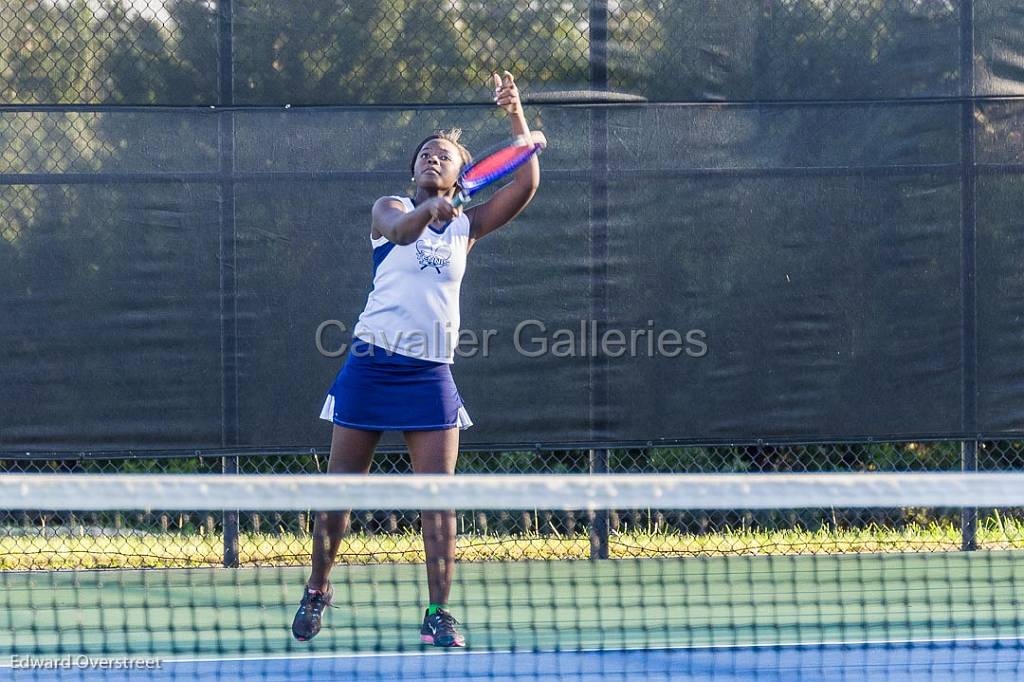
(397, 376)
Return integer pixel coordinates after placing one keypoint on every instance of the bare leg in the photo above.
(351, 453)
(435, 452)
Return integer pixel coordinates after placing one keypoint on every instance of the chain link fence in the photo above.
(905, 456)
(57, 58)
(401, 51)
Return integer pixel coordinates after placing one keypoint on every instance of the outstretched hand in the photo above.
(506, 94)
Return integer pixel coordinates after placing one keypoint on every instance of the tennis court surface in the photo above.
(814, 611)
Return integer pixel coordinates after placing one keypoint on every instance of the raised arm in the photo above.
(391, 220)
(507, 202)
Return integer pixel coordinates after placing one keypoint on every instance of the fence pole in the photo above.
(969, 516)
(600, 517)
(968, 269)
(230, 521)
(598, 58)
(228, 293)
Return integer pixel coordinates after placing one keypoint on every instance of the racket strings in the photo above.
(495, 165)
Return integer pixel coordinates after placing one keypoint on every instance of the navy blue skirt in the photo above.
(378, 391)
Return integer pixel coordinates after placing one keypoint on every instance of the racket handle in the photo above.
(461, 199)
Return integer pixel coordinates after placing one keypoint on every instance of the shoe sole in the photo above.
(429, 639)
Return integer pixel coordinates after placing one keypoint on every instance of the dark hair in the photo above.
(452, 136)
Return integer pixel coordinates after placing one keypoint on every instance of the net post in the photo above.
(599, 517)
(969, 515)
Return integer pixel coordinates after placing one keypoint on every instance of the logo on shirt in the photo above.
(435, 255)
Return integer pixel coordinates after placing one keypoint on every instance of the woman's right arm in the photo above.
(391, 220)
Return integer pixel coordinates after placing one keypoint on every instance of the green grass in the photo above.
(172, 549)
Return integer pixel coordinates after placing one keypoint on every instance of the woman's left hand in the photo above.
(506, 94)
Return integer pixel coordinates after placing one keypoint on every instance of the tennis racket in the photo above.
(498, 163)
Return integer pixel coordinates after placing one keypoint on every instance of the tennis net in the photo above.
(711, 577)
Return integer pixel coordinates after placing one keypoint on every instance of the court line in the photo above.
(685, 647)
(8, 663)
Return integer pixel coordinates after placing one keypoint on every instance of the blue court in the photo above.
(980, 661)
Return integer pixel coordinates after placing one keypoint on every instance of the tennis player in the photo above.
(397, 376)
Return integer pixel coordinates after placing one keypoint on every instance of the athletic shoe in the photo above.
(310, 613)
(439, 629)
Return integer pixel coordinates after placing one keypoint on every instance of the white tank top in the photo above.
(413, 307)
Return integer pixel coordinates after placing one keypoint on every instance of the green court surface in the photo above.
(646, 604)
